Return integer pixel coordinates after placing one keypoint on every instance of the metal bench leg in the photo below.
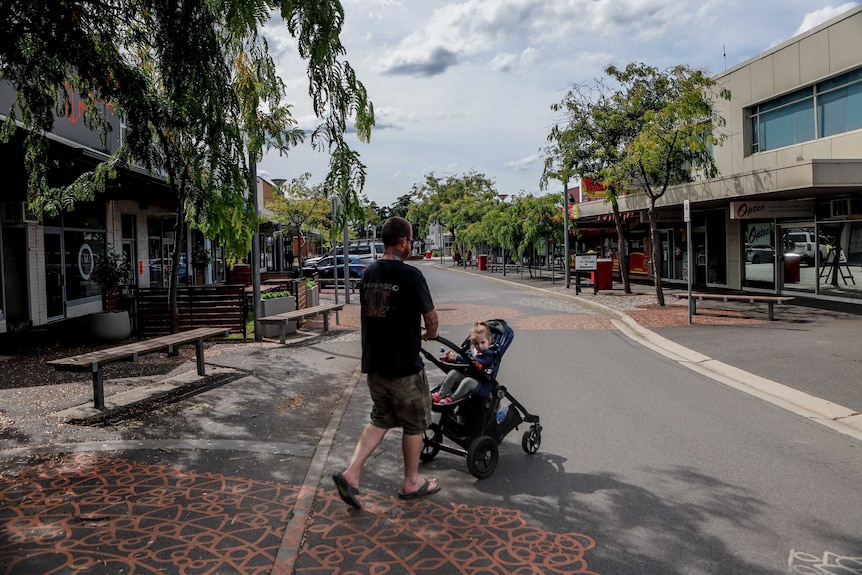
(770, 310)
(283, 332)
(326, 321)
(199, 356)
(98, 387)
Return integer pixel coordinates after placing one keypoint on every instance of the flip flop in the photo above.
(421, 492)
(346, 491)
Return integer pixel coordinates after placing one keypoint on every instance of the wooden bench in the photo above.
(516, 268)
(94, 360)
(283, 318)
(770, 300)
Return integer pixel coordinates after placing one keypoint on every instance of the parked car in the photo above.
(364, 252)
(325, 268)
(802, 242)
(760, 254)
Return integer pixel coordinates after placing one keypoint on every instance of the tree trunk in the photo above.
(621, 238)
(175, 266)
(655, 253)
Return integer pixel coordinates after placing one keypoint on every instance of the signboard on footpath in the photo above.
(586, 262)
(752, 209)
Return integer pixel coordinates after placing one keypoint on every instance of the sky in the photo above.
(467, 86)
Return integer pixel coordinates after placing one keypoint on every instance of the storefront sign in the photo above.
(750, 210)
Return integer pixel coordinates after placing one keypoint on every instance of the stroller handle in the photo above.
(447, 343)
(444, 365)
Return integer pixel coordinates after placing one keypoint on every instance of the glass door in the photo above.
(759, 255)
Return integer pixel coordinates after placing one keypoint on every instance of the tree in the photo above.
(454, 202)
(588, 145)
(300, 207)
(654, 129)
(197, 89)
(540, 217)
(673, 125)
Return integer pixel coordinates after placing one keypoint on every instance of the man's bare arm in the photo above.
(431, 325)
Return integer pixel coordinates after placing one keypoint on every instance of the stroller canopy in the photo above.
(503, 336)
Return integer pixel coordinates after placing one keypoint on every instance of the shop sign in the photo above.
(748, 210)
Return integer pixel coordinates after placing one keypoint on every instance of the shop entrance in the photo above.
(17, 309)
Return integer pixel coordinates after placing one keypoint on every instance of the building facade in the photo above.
(785, 213)
(46, 262)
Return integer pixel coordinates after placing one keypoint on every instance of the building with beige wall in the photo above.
(790, 168)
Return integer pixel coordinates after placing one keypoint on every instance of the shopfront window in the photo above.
(81, 250)
(841, 256)
(759, 255)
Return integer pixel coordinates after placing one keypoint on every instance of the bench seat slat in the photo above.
(769, 300)
(92, 361)
(283, 318)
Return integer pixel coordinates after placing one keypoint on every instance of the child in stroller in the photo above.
(482, 353)
(470, 421)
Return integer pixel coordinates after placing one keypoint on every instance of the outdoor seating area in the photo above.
(94, 361)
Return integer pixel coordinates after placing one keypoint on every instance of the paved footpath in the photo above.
(230, 474)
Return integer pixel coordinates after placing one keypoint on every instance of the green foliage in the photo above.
(456, 202)
(198, 93)
(191, 79)
(274, 294)
(111, 270)
(640, 131)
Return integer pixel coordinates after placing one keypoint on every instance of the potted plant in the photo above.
(111, 272)
(200, 260)
(312, 293)
(272, 303)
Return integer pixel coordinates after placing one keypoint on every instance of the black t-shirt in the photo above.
(394, 298)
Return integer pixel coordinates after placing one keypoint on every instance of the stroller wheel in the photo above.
(431, 442)
(532, 440)
(482, 457)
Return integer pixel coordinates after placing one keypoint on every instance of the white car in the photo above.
(365, 253)
(802, 242)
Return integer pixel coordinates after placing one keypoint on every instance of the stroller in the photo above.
(471, 422)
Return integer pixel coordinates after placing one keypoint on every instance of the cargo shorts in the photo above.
(401, 402)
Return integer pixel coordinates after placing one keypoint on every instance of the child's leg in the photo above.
(452, 379)
(467, 385)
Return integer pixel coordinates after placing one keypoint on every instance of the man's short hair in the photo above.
(394, 229)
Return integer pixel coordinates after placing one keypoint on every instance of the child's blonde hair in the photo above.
(481, 328)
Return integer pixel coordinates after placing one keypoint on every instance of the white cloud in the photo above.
(813, 19)
(524, 163)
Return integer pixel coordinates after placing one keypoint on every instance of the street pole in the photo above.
(255, 252)
(567, 272)
(689, 261)
(346, 265)
(334, 249)
(440, 232)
